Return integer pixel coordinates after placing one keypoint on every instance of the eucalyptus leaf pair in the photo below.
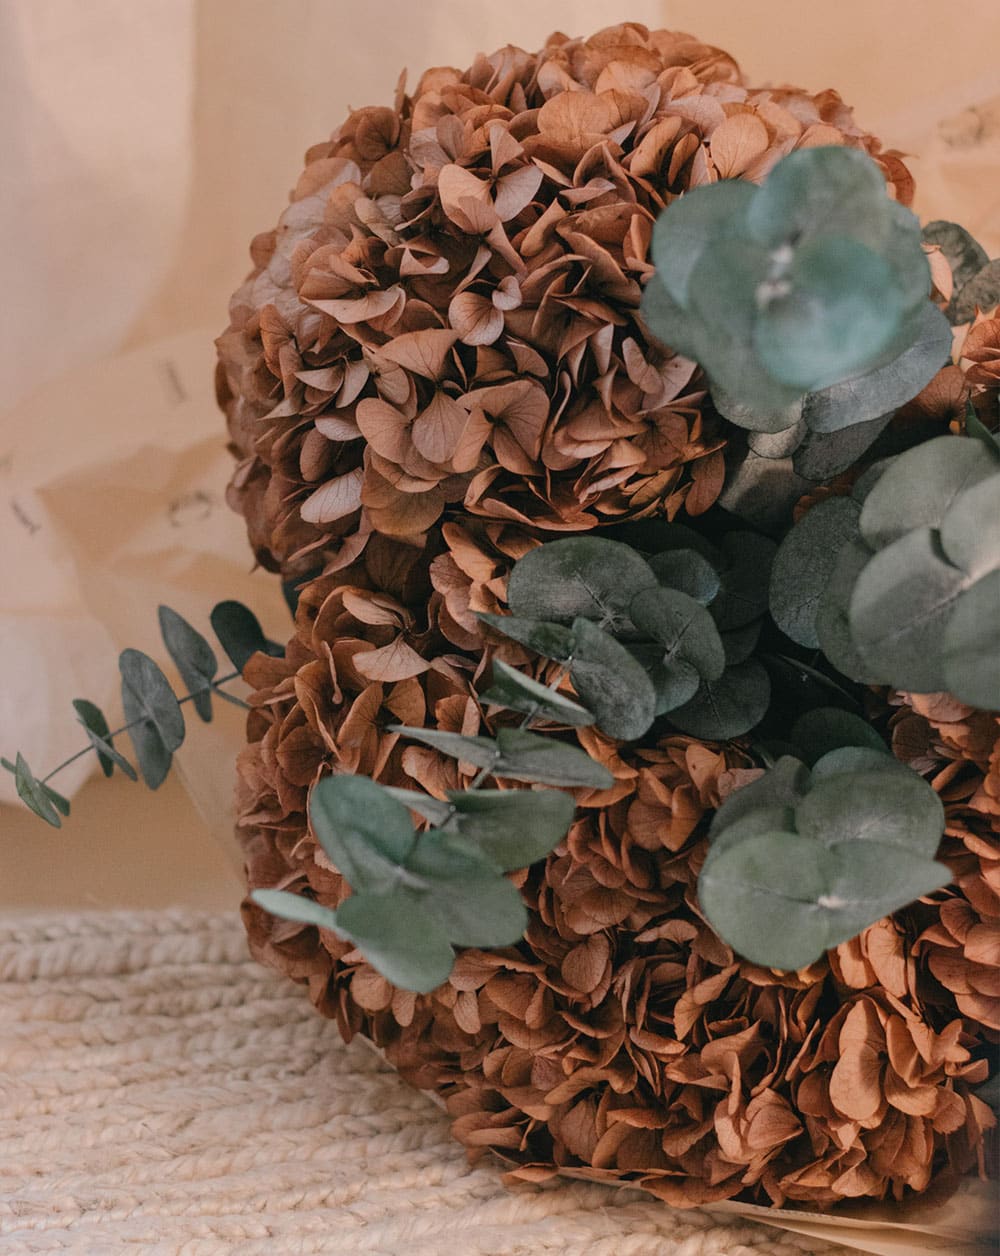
(899, 583)
(642, 637)
(803, 859)
(798, 297)
(416, 896)
(154, 719)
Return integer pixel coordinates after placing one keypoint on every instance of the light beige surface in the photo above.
(144, 145)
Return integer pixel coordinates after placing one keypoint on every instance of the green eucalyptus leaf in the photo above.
(761, 490)
(398, 937)
(612, 683)
(240, 634)
(740, 643)
(432, 809)
(964, 255)
(780, 416)
(514, 827)
(903, 250)
(688, 571)
(95, 725)
(895, 809)
(152, 710)
(744, 580)
(833, 625)
(670, 323)
(981, 292)
(823, 729)
(823, 455)
(781, 900)
(823, 191)
(467, 896)
(976, 428)
(804, 565)
(674, 684)
(693, 223)
(972, 645)
(916, 489)
(584, 577)
(844, 307)
(727, 707)
(849, 760)
(970, 529)
(481, 752)
(652, 537)
(683, 627)
(773, 817)
(367, 833)
(900, 608)
(868, 397)
(778, 444)
(782, 786)
(546, 761)
(35, 794)
(193, 657)
(517, 692)
(553, 641)
(297, 907)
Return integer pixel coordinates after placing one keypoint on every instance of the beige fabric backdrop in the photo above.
(145, 141)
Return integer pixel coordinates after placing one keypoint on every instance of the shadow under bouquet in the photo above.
(632, 776)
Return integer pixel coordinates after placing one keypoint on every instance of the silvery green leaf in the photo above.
(513, 827)
(528, 757)
(804, 565)
(399, 938)
(780, 416)
(193, 657)
(970, 529)
(782, 785)
(964, 255)
(742, 597)
(669, 323)
(552, 641)
(740, 643)
(612, 683)
(240, 634)
(367, 834)
(683, 627)
(976, 428)
(866, 397)
(823, 729)
(833, 625)
(851, 760)
(981, 292)
(892, 808)
(467, 896)
(35, 794)
(691, 224)
(517, 692)
(296, 907)
(900, 608)
(96, 727)
(481, 752)
(674, 684)
(727, 707)
(778, 444)
(762, 491)
(823, 455)
(972, 645)
(688, 571)
(432, 809)
(152, 710)
(584, 577)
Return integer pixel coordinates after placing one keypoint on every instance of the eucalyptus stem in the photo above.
(212, 686)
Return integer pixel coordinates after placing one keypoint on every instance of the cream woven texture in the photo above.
(161, 1093)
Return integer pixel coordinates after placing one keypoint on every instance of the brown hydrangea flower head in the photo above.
(621, 1039)
(445, 318)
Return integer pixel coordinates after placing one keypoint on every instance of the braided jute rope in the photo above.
(161, 1093)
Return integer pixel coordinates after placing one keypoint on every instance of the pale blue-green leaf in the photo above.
(688, 571)
(740, 643)
(517, 692)
(193, 657)
(546, 761)
(432, 809)
(399, 938)
(964, 255)
(727, 707)
(972, 645)
(970, 529)
(693, 223)
(367, 834)
(34, 794)
(584, 577)
(683, 627)
(782, 785)
(612, 684)
(805, 563)
(674, 684)
(893, 808)
(297, 907)
(823, 455)
(833, 625)
(514, 827)
(152, 710)
(554, 641)
(467, 895)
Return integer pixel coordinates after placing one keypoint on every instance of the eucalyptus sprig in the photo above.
(154, 719)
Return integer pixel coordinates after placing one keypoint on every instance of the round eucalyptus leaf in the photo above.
(153, 712)
(843, 308)
(553, 641)
(517, 692)
(674, 684)
(868, 397)
(693, 223)
(780, 786)
(683, 627)
(546, 761)
(972, 645)
(466, 894)
(96, 727)
(823, 455)
(981, 292)
(34, 794)
(833, 625)
(892, 808)
(481, 752)
(432, 809)
(964, 255)
(742, 597)
(193, 657)
(688, 571)
(900, 608)
(514, 827)
(916, 489)
(670, 323)
(399, 938)
(778, 444)
(804, 565)
(827, 190)
(848, 760)
(823, 729)
(773, 817)
(970, 529)
(367, 834)
(584, 577)
(902, 248)
(975, 427)
(740, 643)
(780, 416)
(240, 633)
(297, 907)
(612, 683)
(727, 707)
(762, 491)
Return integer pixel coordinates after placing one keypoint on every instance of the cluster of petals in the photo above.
(446, 317)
